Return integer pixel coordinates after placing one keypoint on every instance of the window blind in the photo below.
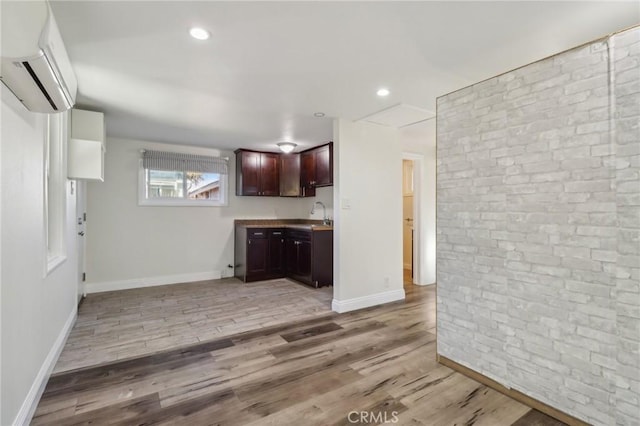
(168, 161)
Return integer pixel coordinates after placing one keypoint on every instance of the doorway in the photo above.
(81, 218)
(409, 243)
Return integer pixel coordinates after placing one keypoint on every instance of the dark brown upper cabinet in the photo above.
(290, 175)
(316, 169)
(286, 175)
(257, 173)
(324, 165)
(307, 173)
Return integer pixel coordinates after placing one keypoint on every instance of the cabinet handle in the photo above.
(282, 240)
(249, 242)
(258, 233)
(277, 233)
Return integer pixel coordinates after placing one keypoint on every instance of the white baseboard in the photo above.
(100, 287)
(30, 403)
(341, 306)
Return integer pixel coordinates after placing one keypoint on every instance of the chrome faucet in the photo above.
(325, 221)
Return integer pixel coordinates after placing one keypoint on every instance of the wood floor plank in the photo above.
(363, 331)
(117, 372)
(330, 408)
(536, 418)
(289, 392)
(186, 411)
(481, 406)
(51, 410)
(123, 412)
(420, 345)
(280, 329)
(231, 413)
(310, 332)
(500, 410)
(443, 395)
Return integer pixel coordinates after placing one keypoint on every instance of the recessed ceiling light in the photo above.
(199, 33)
(382, 92)
(318, 114)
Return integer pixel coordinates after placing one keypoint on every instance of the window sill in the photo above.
(181, 203)
(53, 262)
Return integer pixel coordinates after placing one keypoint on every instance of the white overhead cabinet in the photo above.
(86, 145)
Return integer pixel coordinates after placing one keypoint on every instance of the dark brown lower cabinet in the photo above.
(309, 256)
(259, 253)
(299, 254)
(298, 251)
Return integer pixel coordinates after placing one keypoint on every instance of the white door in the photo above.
(81, 219)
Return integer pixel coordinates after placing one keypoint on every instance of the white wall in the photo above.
(129, 245)
(37, 310)
(368, 221)
(1, 215)
(420, 139)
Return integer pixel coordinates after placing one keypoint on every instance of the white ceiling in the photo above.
(269, 66)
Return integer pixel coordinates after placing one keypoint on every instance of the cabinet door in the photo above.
(304, 260)
(322, 264)
(290, 256)
(324, 167)
(269, 174)
(247, 173)
(276, 253)
(257, 250)
(308, 173)
(290, 175)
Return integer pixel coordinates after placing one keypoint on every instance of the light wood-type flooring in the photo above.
(122, 324)
(314, 367)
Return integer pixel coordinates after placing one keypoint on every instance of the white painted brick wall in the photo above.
(538, 252)
(627, 267)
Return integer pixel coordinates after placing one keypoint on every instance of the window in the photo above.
(174, 179)
(54, 190)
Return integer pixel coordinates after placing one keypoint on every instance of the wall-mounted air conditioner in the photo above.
(35, 65)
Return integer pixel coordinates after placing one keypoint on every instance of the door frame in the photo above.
(418, 165)
(81, 241)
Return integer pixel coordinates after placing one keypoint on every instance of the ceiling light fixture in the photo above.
(199, 33)
(382, 92)
(287, 147)
(318, 114)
